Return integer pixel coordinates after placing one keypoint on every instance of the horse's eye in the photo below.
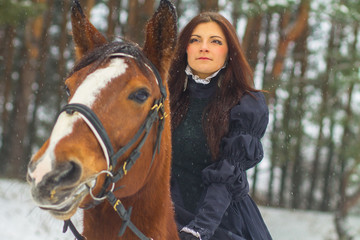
(140, 95)
(67, 90)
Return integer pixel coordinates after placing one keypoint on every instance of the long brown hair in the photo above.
(236, 80)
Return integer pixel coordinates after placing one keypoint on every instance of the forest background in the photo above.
(305, 53)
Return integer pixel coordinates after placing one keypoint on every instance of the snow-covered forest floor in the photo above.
(20, 219)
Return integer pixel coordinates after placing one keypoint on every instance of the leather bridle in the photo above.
(156, 113)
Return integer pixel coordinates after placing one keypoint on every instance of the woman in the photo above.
(218, 119)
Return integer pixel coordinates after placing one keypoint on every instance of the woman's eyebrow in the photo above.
(214, 36)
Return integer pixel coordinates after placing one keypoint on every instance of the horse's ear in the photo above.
(85, 35)
(160, 39)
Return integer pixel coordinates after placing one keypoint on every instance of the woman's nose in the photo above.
(204, 47)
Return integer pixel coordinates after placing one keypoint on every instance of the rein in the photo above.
(156, 113)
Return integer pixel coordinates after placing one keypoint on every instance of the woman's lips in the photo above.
(203, 58)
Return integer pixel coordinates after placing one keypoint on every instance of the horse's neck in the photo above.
(151, 211)
(100, 222)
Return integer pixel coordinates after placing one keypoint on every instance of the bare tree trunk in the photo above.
(286, 131)
(139, 14)
(290, 157)
(2, 37)
(273, 134)
(18, 124)
(346, 201)
(131, 27)
(113, 17)
(178, 6)
(343, 205)
(254, 183)
(235, 13)
(88, 5)
(251, 38)
(6, 83)
(301, 58)
(22, 100)
(274, 157)
(208, 5)
(329, 169)
(40, 74)
(288, 33)
(273, 160)
(63, 42)
(8, 56)
(251, 47)
(322, 114)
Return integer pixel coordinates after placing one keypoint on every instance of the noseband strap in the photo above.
(94, 124)
(90, 118)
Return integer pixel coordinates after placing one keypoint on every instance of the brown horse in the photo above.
(117, 100)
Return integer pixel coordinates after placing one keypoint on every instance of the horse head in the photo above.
(108, 137)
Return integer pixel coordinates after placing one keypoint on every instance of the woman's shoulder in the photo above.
(250, 115)
(253, 102)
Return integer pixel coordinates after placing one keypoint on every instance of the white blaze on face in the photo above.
(86, 94)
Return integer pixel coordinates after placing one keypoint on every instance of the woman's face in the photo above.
(207, 49)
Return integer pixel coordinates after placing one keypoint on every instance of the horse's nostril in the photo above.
(31, 168)
(67, 173)
(28, 178)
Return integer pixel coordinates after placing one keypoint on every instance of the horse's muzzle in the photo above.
(59, 190)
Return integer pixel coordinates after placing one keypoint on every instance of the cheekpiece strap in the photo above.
(125, 217)
(68, 224)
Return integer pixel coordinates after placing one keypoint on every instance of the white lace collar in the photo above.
(197, 79)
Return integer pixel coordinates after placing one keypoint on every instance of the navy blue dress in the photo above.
(212, 198)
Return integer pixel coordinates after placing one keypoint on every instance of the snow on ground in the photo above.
(20, 219)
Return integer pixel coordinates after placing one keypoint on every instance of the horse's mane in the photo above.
(102, 53)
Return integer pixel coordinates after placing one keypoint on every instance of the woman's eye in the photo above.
(139, 96)
(67, 90)
(217, 42)
(192, 40)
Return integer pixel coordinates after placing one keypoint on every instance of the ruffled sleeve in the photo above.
(248, 122)
(241, 149)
